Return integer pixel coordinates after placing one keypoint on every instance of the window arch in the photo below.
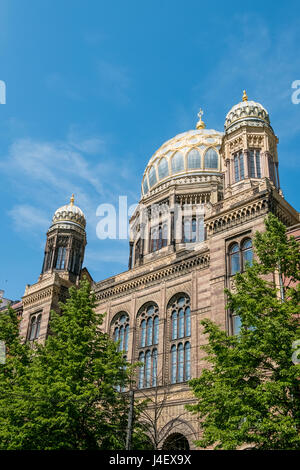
(163, 168)
(145, 185)
(240, 256)
(180, 325)
(238, 161)
(177, 162)
(194, 159)
(234, 255)
(193, 229)
(61, 257)
(148, 321)
(247, 253)
(34, 327)
(211, 159)
(120, 328)
(152, 177)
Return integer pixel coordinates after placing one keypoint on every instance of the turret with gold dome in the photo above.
(249, 147)
(66, 240)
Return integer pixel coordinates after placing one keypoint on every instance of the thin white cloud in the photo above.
(28, 218)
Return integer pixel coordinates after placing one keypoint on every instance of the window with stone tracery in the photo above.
(34, 326)
(180, 349)
(148, 327)
(239, 171)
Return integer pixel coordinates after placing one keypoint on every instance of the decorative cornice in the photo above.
(201, 261)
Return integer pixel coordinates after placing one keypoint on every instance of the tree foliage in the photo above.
(64, 394)
(249, 395)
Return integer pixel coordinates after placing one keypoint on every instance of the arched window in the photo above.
(120, 328)
(164, 235)
(247, 253)
(154, 239)
(181, 317)
(163, 169)
(152, 176)
(142, 367)
(187, 361)
(61, 257)
(143, 334)
(190, 232)
(174, 325)
(254, 167)
(34, 327)
(180, 328)
(211, 159)
(177, 163)
(145, 185)
(149, 337)
(238, 161)
(234, 255)
(194, 160)
(176, 441)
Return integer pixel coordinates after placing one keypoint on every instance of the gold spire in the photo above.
(200, 124)
(245, 97)
(72, 200)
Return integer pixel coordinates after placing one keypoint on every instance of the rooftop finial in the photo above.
(72, 200)
(200, 124)
(245, 97)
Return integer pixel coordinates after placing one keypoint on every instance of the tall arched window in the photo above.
(211, 159)
(254, 164)
(247, 253)
(238, 161)
(163, 169)
(154, 239)
(180, 323)
(61, 257)
(240, 256)
(34, 327)
(234, 255)
(164, 235)
(120, 327)
(145, 185)
(177, 163)
(194, 160)
(193, 229)
(148, 319)
(152, 176)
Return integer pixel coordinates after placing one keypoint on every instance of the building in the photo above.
(204, 194)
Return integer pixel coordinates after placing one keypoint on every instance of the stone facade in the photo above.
(202, 192)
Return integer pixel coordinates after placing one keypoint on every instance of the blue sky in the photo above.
(95, 87)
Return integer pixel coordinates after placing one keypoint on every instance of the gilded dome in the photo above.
(189, 153)
(248, 111)
(70, 214)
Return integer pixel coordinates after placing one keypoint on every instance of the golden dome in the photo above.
(246, 111)
(190, 153)
(69, 214)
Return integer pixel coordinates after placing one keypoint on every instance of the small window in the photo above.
(239, 172)
(211, 159)
(34, 327)
(177, 163)
(247, 253)
(120, 329)
(194, 160)
(163, 168)
(234, 254)
(152, 177)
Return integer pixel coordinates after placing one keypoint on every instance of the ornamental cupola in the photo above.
(249, 148)
(66, 241)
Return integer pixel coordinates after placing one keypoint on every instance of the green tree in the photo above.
(68, 396)
(249, 394)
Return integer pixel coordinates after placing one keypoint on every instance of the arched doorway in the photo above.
(176, 441)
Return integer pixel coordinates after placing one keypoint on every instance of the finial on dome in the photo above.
(245, 97)
(72, 200)
(200, 124)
